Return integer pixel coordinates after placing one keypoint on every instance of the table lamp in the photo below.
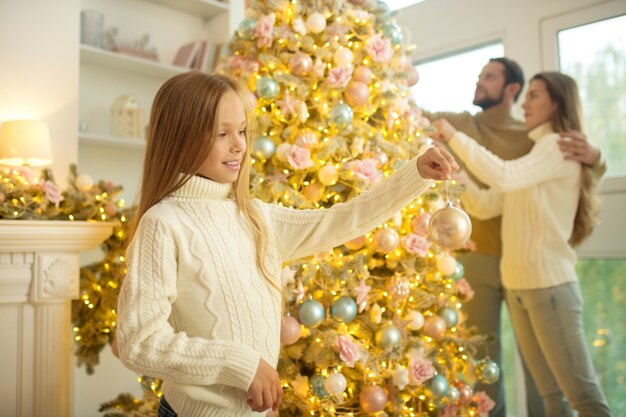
(25, 143)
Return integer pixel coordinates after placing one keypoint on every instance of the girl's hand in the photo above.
(437, 164)
(444, 131)
(576, 147)
(265, 391)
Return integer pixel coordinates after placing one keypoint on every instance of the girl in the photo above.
(200, 306)
(548, 206)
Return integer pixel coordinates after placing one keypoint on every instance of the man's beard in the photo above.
(488, 102)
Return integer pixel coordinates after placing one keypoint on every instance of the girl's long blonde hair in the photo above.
(181, 133)
(564, 92)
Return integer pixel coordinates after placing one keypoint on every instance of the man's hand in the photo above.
(576, 147)
(437, 164)
(265, 391)
(444, 130)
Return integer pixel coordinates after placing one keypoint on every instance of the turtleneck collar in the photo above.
(199, 188)
(540, 131)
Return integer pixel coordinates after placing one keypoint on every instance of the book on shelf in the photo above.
(192, 55)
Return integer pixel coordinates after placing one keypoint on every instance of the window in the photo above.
(448, 83)
(595, 55)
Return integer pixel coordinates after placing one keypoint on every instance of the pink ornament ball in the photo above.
(373, 399)
(414, 76)
(386, 240)
(110, 210)
(300, 64)
(362, 74)
(465, 393)
(357, 94)
(434, 327)
(290, 331)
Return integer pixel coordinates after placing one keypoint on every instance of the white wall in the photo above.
(39, 71)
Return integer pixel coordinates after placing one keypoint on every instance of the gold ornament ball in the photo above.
(328, 175)
(450, 227)
(373, 399)
(386, 240)
(356, 243)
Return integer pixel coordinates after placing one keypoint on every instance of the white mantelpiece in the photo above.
(39, 276)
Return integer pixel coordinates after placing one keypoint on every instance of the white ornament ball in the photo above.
(316, 23)
(386, 239)
(84, 182)
(328, 175)
(336, 383)
(415, 320)
(343, 56)
(450, 227)
(446, 264)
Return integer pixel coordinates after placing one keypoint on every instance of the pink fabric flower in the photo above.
(297, 156)
(306, 138)
(366, 170)
(348, 351)
(263, 30)
(464, 288)
(419, 224)
(52, 191)
(420, 370)
(484, 403)
(416, 245)
(234, 63)
(450, 411)
(379, 49)
(339, 77)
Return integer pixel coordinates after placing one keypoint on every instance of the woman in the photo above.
(548, 205)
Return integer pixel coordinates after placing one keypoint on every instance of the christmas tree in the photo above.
(373, 325)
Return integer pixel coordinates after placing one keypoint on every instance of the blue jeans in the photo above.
(549, 330)
(165, 410)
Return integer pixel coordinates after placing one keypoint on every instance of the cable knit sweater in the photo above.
(195, 311)
(537, 197)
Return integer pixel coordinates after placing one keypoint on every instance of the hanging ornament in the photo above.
(446, 264)
(386, 239)
(412, 76)
(465, 393)
(328, 174)
(434, 327)
(336, 383)
(415, 320)
(83, 182)
(313, 192)
(341, 116)
(487, 371)
(382, 9)
(356, 94)
(317, 383)
(393, 33)
(362, 74)
(264, 148)
(438, 386)
(373, 399)
(343, 57)
(311, 313)
(110, 210)
(450, 227)
(316, 23)
(300, 64)
(343, 309)
(267, 88)
(290, 331)
(449, 316)
(459, 272)
(382, 158)
(388, 336)
(246, 28)
(453, 394)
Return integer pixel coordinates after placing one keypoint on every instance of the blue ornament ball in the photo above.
(341, 116)
(317, 386)
(449, 315)
(487, 371)
(344, 309)
(393, 33)
(311, 313)
(438, 386)
(267, 88)
(382, 9)
(246, 28)
(459, 272)
(453, 394)
(264, 148)
(388, 336)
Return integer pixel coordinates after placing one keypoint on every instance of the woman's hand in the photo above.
(444, 130)
(265, 391)
(576, 147)
(437, 164)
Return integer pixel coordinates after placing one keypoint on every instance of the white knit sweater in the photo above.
(537, 196)
(195, 311)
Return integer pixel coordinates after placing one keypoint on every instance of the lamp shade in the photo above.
(25, 143)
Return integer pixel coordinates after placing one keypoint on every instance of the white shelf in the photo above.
(203, 8)
(111, 141)
(124, 62)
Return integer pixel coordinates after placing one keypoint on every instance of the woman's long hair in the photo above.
(564, 92)
(181, 133)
